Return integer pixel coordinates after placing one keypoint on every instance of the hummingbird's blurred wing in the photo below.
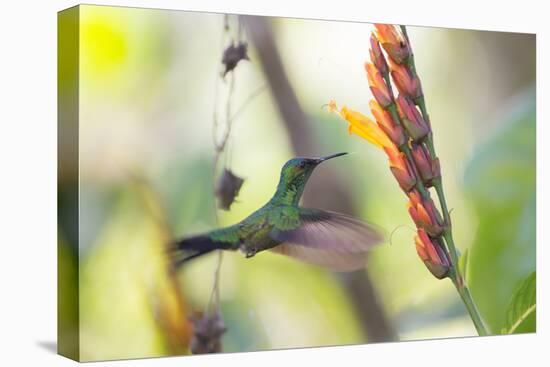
(336, 261)
(332, 240)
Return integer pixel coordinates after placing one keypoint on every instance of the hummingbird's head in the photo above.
(297, 170)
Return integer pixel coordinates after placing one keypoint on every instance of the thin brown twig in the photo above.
(219, 148)
(262, 88)
(213, 303)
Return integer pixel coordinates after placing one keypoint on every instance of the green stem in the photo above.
(456, 277)
(438, 185)
(421, 103)
(466, 296)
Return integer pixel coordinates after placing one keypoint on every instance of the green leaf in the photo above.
(523, 307)
(500, 181)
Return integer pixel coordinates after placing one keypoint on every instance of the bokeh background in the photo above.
(147, 81)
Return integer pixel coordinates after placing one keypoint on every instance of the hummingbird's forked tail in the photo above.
(192, 247)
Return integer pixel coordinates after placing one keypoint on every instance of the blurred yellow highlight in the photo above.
(104, 42)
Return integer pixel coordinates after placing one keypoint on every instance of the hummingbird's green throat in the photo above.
(294, 176)
(333, 240)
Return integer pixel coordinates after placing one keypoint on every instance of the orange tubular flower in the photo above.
(424, 214)
(401, 169)
(393, 130)
(377, 56)
(393, 42)
(433, 256)
(406, 83)
(415, 125)
(361, 125)
(378, 86)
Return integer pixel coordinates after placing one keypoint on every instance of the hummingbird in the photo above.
(328, 239)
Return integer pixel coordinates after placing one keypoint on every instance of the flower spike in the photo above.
(403, 130)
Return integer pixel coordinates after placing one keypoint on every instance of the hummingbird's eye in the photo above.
(302, 164)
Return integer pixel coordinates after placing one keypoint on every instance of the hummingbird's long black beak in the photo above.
(322, 159)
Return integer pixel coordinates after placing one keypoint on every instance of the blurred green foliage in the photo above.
(500, 181)
(67, 298)
(133, 307)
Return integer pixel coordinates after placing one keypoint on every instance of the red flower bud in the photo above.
(393, 42)
(401, 169)
(428, 168)
(378, 86)
(432, 254)
(424, 214)
(412, 119)
(376, 55)
(393, 130)
(407, 83)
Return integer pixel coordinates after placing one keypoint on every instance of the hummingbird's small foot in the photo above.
(250, 253)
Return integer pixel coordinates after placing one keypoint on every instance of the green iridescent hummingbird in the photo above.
(328, 239)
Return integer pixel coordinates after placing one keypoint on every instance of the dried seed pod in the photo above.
(233, 54)
(228, 188)
(207, 332)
